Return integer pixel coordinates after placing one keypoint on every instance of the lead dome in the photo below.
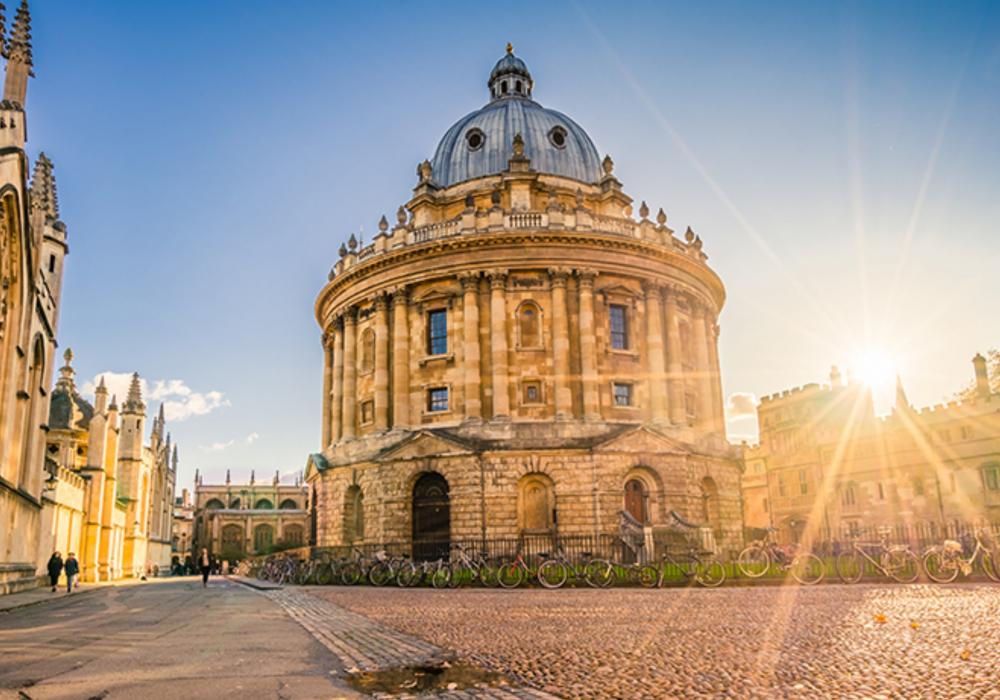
(480, 143)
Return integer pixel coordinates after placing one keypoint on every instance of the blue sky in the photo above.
(839, 161)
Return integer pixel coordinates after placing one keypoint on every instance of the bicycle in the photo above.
(512, 573)
(353, 568)
(895, 561)
(413, 574)
(759, 556)
(700, 566)
(556, 570)
(943, 562)
(383, 571)
(478, 565)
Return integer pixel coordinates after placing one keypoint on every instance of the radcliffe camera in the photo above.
(429, 351)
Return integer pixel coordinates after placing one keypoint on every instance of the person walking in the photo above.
(72, 571)
(205, 563)
(55, 568)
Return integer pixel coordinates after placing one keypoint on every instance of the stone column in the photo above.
(337, 382)
(350, 373)
(654, 347)
(719, 403)
(560, 345)
(498, 342)
(400, 360)
(678, 409)
(702, 370)
(327, 426)
(588, 347)
(470, 347)
(381, 363)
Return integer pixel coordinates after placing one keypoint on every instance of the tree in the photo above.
(992, 371)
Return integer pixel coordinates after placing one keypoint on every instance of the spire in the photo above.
(19, 59)
(277, 477)
(252, 479)
(43, 187)
(3, 31)
(133, 402)
(228, 479)
(902, 403)
(197, 477)
(173, 458)
(113, 406)
(66, 373)
(101, 397)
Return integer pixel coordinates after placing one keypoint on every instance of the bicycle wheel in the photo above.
(351, 573)
(381, 574)
(324, 574)
(710, 573)
(754, 562)
(456, 574)
(850, 567)
(938, 567)
(489, 573)
(408, 575)
(441, 575)
(552, 573)
(600, 573)
(649, 576)
(510, 575)
(903, 566)
(807, 569)
(991, 565)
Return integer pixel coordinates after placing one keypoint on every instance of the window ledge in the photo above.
(631, 354)
(447, 357)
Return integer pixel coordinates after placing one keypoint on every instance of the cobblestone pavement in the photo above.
(833, 641)
(364, 645)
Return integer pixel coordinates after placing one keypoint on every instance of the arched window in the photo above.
(232, 539)
(263, 539)
(214, 504)
(289, 504)
(293, 534)
(263, 504)
(31, 411)
(529, 325)
(536, 503)
(368, 350)
(431, 524)
(710, 501)
(354, 514)
(235, 503)
(637, 500)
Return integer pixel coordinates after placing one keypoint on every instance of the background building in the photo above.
(32, 249)
(103, 476)
(236, 520)
(825, 460)
(518, 354)
(183, 529)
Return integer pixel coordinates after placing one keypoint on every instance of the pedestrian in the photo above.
(205, 562)
(72, 571)
(55, 568)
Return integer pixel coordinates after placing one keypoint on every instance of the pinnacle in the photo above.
(43, 187)
(19, 44)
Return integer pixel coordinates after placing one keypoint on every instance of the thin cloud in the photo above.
(741, 405)
(180, 401)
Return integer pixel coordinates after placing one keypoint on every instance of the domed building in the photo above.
(517, 354)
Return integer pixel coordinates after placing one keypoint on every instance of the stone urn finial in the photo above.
(644, 210)
(401, 216)
(518, 145)
(383, 224)
(608, 165)
(352, 242)
(661, 217)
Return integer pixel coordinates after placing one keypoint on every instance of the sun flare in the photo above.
(875, 367)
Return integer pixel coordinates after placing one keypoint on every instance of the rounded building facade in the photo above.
(518, 354)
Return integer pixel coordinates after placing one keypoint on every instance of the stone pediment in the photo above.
(437, 295)
(423, 444)
(619, 291)
(643, 439)
(315, 464)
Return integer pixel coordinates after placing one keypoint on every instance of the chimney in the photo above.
(982, 378)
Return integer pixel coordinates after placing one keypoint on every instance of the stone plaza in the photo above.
(864, 641)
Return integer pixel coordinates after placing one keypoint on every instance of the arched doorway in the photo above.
(232, 541)
(431, 517)
(637, 500)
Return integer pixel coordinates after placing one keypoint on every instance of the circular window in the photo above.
(558, 137)
(475, 139)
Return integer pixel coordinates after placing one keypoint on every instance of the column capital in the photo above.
(587, 276)
(469, 280)
(399, 295)
(327, 339)
(498, 278)
(381, 301)
(652, 289)
(699, 309)
(558, 276)
(350, 315)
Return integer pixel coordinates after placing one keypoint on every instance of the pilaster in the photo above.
(381, 363)
(588, 346)
(400, 359)
(471, 350)
(654, 349)
(498, 343)
(350, 409)
(560, 344)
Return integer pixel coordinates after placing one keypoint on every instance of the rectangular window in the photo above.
(619, 327)
(437, 332)
(52, 263)
(367, 411)
(992, 474)
(623, 394)
(437, 399)
(803, 483)
(532, 393)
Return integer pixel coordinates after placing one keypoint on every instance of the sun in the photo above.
(875, 367)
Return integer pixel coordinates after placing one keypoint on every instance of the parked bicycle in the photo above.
(557, 569)
(514, 572)
(943, 562)
(761, 555)
(385, 568)
(700, 566)
(475, 565)
(412, 573)
(895, 561)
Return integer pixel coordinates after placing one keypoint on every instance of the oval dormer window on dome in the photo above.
(475, 139)
(557, 137)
